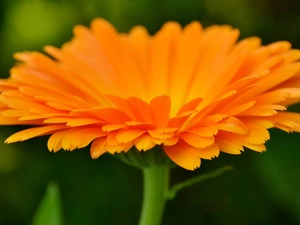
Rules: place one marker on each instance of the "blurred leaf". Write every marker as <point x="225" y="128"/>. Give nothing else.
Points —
<point x="49" y="211"/>
<point x="10" y="158"/>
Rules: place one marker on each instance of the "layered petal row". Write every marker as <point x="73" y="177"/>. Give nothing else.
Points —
<point x="196" y="92"/>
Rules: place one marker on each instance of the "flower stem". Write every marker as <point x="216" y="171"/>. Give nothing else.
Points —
<point x="156" y="184"/>
<point x="195" y="180"/>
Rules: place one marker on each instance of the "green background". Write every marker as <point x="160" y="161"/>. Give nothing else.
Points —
<point x="262" y="188"/>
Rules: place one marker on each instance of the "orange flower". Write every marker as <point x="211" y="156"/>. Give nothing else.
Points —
<point x="193" y="91"/>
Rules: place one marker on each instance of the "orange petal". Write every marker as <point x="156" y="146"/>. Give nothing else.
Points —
<point x="33" y="132"/>
<point x="197" y="141"/>
<point x="125" y="136"/>
<point x="229" y="146"/>
<point x="204" y="153"/>
<point x="234" y="125"/>
<point x="160" y="107"/>
<point x="144" y="142"/>
<point x="98" y="147"/>
<point x="182" y="157"/>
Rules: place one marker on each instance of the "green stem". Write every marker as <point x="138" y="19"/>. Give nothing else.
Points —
<point x="156" y="184"/>
<point x="176" y="188"/>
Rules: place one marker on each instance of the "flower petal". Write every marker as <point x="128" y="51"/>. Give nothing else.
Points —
<point x="182" y="157"/>
<point x="33" y="132"/>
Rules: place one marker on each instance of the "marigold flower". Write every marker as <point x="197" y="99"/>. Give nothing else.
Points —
<point x="193" y="91"/>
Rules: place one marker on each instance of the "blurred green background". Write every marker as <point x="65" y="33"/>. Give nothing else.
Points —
<point x="262" y="189"/>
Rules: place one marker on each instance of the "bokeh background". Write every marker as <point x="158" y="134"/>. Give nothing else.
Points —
<point x="262" y="189"/>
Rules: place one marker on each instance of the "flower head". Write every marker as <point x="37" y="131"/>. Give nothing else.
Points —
<point x="193" y="91"/>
